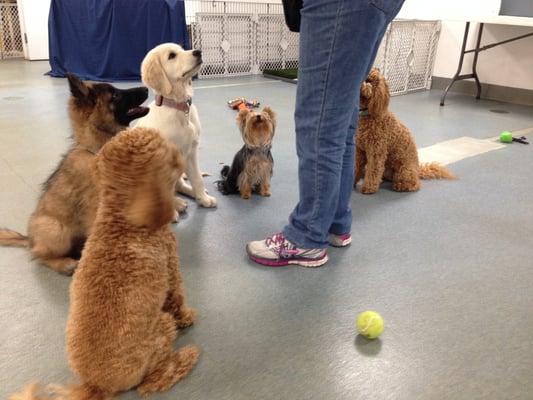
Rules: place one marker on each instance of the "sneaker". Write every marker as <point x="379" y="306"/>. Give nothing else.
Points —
<point x="340" y="240"/>
<point x="277" y="251"/>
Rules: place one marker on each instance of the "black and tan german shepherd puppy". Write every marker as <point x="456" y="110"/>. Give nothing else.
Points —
<point x="59" y="226"/>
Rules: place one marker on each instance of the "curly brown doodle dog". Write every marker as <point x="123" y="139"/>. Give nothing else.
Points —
<point x="385" y="148"/>
<point x="127" y="296"/>
<point x="66" y="209"/>
<point x="251" y="168"/>
<point x="168" y="70"/>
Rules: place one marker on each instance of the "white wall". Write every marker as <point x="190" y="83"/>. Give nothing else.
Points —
<point x="33" y="16"/>
<point x="508" y="65"/>
<point x="448" y="9"/>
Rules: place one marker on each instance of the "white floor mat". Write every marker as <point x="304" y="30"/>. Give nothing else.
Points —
<point x="454" y="150"/>
<point x="458" y="149"/>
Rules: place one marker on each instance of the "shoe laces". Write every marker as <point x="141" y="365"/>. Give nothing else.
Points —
<point x="280" y="244"/>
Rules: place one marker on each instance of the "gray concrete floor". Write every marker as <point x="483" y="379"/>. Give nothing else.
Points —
<point x="450" y="268"/>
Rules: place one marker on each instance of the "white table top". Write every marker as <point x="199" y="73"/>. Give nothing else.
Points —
<point x="490" y="19"/>
<point x="503" y="20"/>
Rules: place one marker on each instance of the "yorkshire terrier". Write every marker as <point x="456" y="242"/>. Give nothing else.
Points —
<point x="251" y="169"/>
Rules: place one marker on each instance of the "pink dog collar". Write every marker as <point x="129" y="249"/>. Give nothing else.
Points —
<point x="183" y="106"/>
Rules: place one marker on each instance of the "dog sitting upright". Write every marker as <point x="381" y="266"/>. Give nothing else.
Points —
<point x="168" y="69"/>
<point x="385" y="148"/>
<point x="127" y="298"/>
<point x="65" y="212"/>
<point x="252" y="166"/>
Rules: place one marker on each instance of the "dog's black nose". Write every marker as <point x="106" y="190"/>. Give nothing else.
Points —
<point x="197" y="53"/>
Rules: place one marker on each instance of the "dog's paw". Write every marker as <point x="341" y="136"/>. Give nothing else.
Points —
<point x="246" y="195"/>
<point x="63" y="265"/>
<point x="207" y="201"/>
<point x="406" y="186"/>
<point x="265" y="193"/>
<point x="168" y="370"/>
<point x="176" y="217"/>
<point x="180" y="205"/>
<point x="365" y="189"/>
<point x="187" y="356"/>
<point x="186" y="317"/>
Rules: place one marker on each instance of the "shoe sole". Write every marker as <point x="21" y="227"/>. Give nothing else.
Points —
<point x="344" y="243"/>
<point x="283" y="262"/>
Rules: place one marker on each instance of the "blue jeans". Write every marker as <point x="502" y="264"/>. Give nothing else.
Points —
<point x="339" y="40"/>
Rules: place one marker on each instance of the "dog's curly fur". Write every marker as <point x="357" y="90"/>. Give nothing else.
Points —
<point x="252" y="166"/>
<point x="385" y="148"/>
<point x="127" y="296"/>
<point x="66" y="209"/>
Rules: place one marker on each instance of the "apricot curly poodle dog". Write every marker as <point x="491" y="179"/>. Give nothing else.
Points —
<point x="127" y="297"/>
<point x="385" y="148"/>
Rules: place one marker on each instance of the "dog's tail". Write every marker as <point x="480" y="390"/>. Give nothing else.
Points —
<point x="54" y="392"/>
<point x="434" y="170"/>
<point x="12" y="238"/>
<point x="224" y="171"/>
<point x="226" y="185"/>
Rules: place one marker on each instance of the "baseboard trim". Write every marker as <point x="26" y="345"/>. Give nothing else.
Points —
<point x="488" y="91"/>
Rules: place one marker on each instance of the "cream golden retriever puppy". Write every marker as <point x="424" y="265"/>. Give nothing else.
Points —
<point x="126" y="297"/>
<point x="168" y="70"/>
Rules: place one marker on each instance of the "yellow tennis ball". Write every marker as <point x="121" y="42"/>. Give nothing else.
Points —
<point x="370" y="324"/>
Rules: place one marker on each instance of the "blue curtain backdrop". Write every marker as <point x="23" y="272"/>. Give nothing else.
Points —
<point x="106" y="40"/>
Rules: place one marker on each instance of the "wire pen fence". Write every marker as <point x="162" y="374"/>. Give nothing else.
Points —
<point x="245" y="38"/>
<point x="240" y="38"/>
<point x="10" y="32"/>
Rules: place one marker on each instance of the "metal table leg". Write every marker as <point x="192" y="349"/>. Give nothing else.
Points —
<point x="458" y="76"/>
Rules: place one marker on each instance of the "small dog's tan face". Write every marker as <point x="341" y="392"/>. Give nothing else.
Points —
<point x="257" y="128"/>
<point x="374" y="94"/>
<point x="168" y="66"/>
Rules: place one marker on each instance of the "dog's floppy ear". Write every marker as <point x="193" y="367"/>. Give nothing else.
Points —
<point x="150" y="206"/>
<point x="241" y="118"/>
<point x="151" y="202"/>
<point x="366" y="90"/>
<point x="154" y="76"/>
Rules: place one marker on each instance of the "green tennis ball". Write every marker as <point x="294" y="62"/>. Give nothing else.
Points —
<point x="370" y="324"/>
<point x="506" y="137"/>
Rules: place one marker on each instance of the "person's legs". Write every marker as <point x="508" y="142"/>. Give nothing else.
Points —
<point x="342" y="221"/>
<point x="338" y="43"/>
